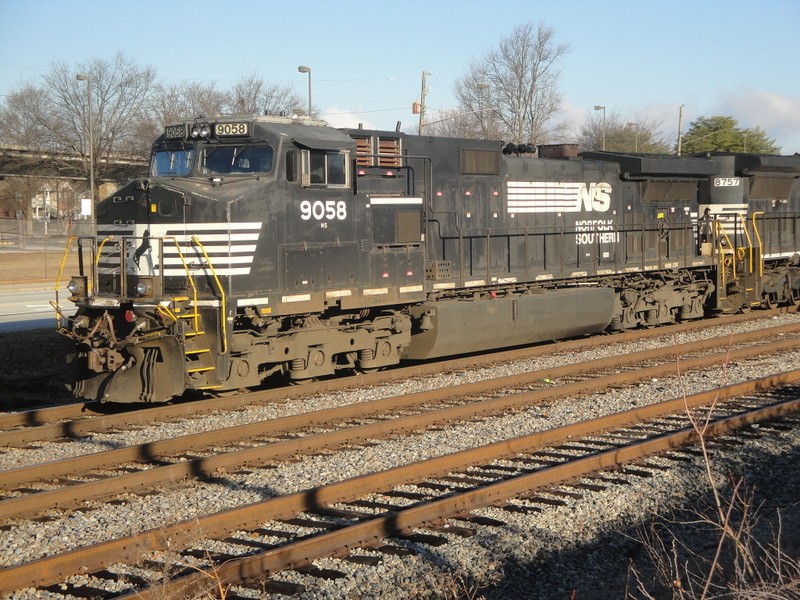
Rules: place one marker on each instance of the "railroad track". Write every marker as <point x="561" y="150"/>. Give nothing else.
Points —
<point x="69" y="483"/>
<point x="80" y="420"/>
<point x="255" y="542"/>
<point x="64" y="418"/>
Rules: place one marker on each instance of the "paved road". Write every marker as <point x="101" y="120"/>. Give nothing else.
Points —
<point x="30" y="309"/>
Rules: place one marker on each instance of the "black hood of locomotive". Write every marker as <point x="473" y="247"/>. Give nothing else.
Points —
<point x="160" y="199"/>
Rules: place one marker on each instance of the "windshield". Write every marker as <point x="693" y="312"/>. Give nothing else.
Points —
<point x="222" y="160"/>
<point x="167" y="163"/>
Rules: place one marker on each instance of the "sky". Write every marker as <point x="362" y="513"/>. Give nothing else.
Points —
<point x="640" y="59"/>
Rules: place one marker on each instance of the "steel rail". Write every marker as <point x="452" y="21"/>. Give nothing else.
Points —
<point x="43" y="416"/>
<point x="262" y="564"/>
<point x="151" y="451"/>
<point x="84" y="427"/>
<point x="74" y="495"/>
<point x="129" y="549"/>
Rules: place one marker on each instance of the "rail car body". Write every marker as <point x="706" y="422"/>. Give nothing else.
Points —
<point x="266" y="245"/>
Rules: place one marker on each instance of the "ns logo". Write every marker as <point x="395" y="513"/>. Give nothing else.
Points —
<point x="594" y="196"/>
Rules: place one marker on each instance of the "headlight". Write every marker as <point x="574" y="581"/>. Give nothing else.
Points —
<point x="77" y="286"/>
<point x="141" y="288"/>
<point x="201" y="130"/>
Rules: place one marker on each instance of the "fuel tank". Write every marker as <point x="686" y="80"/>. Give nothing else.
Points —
<point x="462" y="326"/>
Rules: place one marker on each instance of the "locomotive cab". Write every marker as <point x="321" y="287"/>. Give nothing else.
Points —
<point x="247" y="252"/>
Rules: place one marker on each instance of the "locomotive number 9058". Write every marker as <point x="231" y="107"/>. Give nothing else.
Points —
<point x="319" y="210"/>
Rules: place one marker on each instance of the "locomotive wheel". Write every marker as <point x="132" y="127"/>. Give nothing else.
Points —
<point x="287" y="377"/>
<point x="769" y="301"/>
<point x="794" y="297"/>
<point x="292" y="381"/>
<point x="364" y="371"/>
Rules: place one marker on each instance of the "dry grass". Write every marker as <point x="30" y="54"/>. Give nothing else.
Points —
<point x="731" y="546"/>
<point x="35" y="266"/>
<point x="33" y="368"/>
<point x="33" y="360"/>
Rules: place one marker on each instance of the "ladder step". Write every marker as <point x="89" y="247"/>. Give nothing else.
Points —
<point x="193" y="333"/>
<point x="200" y="370"/>
<point x="199" y="351"/>
<point x="180" y="298"/>
<point x="188" y="316"/>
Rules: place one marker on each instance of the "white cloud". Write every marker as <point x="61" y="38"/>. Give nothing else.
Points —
<point x="340" y="117"/>
<point x="777" y="114"/>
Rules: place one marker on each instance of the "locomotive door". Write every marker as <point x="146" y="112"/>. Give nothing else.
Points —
<point x="397" y="256"/>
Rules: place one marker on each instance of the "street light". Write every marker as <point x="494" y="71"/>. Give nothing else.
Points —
<point x="305" y="69"/>
<point x="603" y="108"/>
<point x="87" y="79"/>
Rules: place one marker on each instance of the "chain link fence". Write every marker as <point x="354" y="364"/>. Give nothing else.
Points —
<point x="33" y="251"/>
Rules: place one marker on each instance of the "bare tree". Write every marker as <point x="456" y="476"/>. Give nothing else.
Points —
<point x="121" y="91"/>
<point x="173" y="102"/>
<point x="15" y="128"/>
<point x="187" y="100"/>
<point x="54" y="116"/>
<point x="251" y="95"/>
<point x="622" y="135"/>
<point x="451" y="122"/>
<point x="512" y="92"/>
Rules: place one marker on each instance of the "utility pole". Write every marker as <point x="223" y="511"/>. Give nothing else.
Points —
<point x="680" y="126"/>
<point x="422" y="103"/>
<point x="88" y="80"/>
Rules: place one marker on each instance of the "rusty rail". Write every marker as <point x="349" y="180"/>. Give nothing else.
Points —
<point x="261" y="565"/>
<point x="92" y="558"/>
<point x="75" y="494"/>
<point x="83" y="427"/>
<point x="44" y="416"/>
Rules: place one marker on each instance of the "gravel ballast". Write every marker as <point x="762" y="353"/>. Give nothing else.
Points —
<point x="589" y="546"/>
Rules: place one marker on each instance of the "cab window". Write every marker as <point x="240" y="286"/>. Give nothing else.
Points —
<point x="175" y="163"/>
<point x="236" y="160"/>
<point x="325" y="168"/>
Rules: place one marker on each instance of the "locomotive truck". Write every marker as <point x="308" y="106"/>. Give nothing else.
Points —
<point x="260" y="246"/>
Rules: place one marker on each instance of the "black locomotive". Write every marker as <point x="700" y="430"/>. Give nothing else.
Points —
<point x="268" y="245"/>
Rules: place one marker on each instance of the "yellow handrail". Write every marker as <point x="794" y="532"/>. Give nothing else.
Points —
<point x="64" y="262"/>
<point x="760" y="244"/>
<point x="749" y="239"/>
<point x="166" y="311"/>
<point x="224" y="316"/>
<point x="57" y="306"/>
<point x="722" y="236"/>
<point x="108" y="238"/>
<point x="100" y="249"/>
<point x="191" y="282"/>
